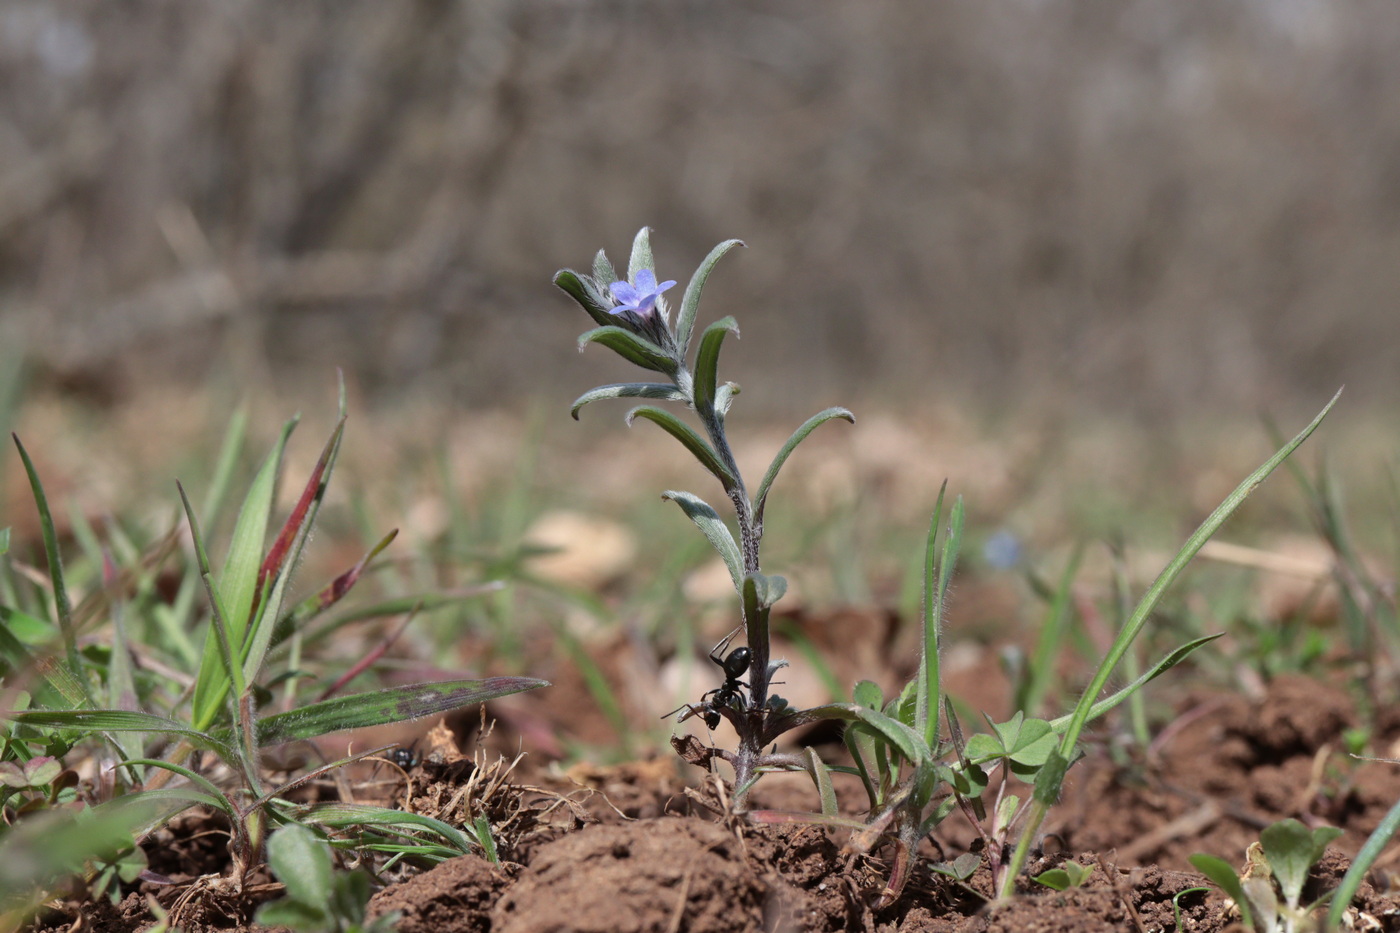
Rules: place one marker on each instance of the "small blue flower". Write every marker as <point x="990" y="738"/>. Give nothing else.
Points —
<point x="1003" y="550"/>
<point x="639" y="298"/>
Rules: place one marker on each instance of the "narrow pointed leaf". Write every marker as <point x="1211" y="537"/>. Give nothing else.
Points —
<point x="116" y="720"/>
<point x="691" y="440"/>
<point x="603" y="269"/>
<point x="336" y="590"/>
<point x="690" y="304"/>
<point x="1158" y="669"/>
<point x="225" y="669"/>
<point x="342" y="815"/>
<point x="237" y="585"/>
<point x="641" y="254"/>
<point x="302" y="512"/>
<point x="396" y="704"/>
<point x="630" y="347"/>
<point x="656" y="390"/>
<point x="1168" y="576"/>
<point x="62" y="605"/>
<point x="586" y="293"/>
<point x="926" y="711"/>
<point x="708" y="521"/>
<point x="286" y="554"/>
<point x="798" y="436"/>
<point x="707" y="362"/>
<point x="821" y="776"/>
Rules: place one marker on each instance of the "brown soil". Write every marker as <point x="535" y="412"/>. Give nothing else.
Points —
<point x="630" y="848"/>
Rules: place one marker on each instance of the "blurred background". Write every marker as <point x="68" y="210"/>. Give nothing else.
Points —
<point x="1140" y="209"/>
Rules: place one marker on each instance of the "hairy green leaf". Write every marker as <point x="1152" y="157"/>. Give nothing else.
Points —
<point x="641" y="254"/>
<point x="656" y="390"/>
<point x="690" y="304"/>
<point x="798" y="436"/>
<point x="589" y="296"/>
<point x="631" y="347"/>
<point x="707" y="362"/>
<point x="692" y="441"/>
<point x="395" y="704"/>
<point x="708" y="521"/>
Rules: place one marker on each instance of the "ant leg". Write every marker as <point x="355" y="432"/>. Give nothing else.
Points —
<point x="690" y="710"/>
<point x="717" y="652"/>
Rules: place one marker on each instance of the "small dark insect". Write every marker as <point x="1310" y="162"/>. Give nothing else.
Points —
<point x="734" y="666"/>
<point x="406" y="756"/>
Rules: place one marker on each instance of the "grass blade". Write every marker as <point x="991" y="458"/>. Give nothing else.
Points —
<point x="395" y="704"/>
<point x="1134" y="625"/>
<point x="237" y="587"/>
<point x="62" y="606"/>
<point x="708" y="521"/>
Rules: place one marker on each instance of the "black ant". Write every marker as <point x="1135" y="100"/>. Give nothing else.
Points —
<point x="734" y="666"/>
<point x="406" y="756"/>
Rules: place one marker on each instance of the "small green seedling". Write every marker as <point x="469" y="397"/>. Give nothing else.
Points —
<point x="319" y="899"/>
<point x="1270" y="892"/>
<point x="38" y="783"/>
<point x="1069" y="875"/>
<point x="112" y="870"/>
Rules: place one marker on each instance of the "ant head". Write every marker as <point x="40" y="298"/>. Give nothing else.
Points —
<point x="711" y="717"/>
<point x="737" y="662"/>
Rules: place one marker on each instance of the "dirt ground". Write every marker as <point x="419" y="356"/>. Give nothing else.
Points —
<point x="646" y="846"/>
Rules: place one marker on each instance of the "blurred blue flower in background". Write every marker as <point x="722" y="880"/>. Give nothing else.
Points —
<point x="641" y="297"/>
<point x="1002" y="551"/>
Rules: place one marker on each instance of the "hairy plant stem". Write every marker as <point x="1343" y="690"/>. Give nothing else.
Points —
<point x="749" y="723"/>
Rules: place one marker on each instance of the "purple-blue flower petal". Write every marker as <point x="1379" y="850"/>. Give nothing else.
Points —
<point x="623" y="293"/>
<point x="646" y="281"/>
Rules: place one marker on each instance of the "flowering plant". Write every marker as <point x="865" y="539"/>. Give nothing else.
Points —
<point x="634" y="322"/>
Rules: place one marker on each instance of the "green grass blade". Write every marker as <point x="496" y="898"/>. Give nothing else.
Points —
<point x="1161" y="667"/>
<point x="121" y="682"/>
<point x="928" y="688"/>
<point x="119" y="720"/>
<point x="1168" y="576"/>
<point x="237" y="586"/>
<point x="395" y="704"/>
<point x="62" y="605"/>
<point x="1370" y="851"/>
<point x="343" y="815"/>
<point x="1134" y="625"/>
<point x="219" y="799"/>
<point x="225" y="666"/>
